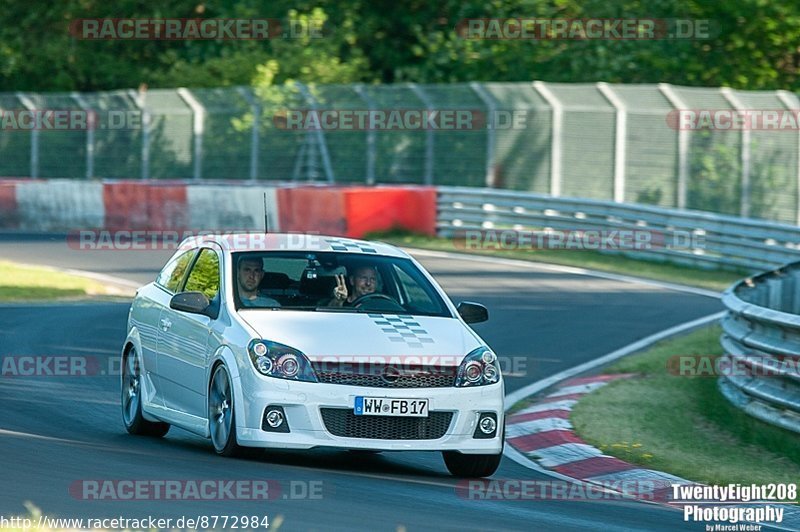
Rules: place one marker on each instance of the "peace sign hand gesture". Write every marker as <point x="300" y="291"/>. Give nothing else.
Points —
<point x="340" y="290"/>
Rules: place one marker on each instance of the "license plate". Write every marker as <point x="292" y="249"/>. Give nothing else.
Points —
<point x="385" y="406"/>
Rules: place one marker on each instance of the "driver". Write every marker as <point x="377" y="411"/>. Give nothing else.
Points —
<point x="364" y="281"/>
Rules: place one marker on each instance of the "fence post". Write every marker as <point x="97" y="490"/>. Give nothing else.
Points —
<point x="90" y="127"/>
<point x="326" y="160"/>
<point x="556" y="139"/>
<point x="254" y="134"/>
<point x="491" y="133"/>
<point x="371" y="139"/>
<point x="786" y="99"/>
<point x="198" y="123"/>
<point x="138" y="98"/>
<point x="744" y="206"/>
<point x="620" y="139"/>
<point x="29" y="105"/>
<point x="429" y="138"/>
<point x="683" y="144"/>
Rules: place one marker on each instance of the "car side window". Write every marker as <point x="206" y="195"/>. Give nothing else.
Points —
<point x="172" y="274"/>
<point x="204" y="276"/>
<point x="418" y="298"/>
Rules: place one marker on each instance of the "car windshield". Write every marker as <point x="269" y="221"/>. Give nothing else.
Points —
<point x="333" y="282"/>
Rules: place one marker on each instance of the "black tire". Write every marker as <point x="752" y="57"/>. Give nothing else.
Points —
<point x="471" y="465"/>
<point x="131" y="399"/>
<point x="221" y="415"/>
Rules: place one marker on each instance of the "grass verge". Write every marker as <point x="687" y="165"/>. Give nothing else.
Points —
<point x="661" y="271"/>
<point x="683" y="425"/>
<point x="37" y="283"/>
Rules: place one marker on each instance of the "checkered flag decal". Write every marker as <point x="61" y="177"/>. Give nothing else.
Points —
<point x="402" y="329"/>
<point x="343" y="244"/>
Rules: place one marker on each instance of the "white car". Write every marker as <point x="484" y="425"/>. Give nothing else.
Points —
<point x="301" y="341"/>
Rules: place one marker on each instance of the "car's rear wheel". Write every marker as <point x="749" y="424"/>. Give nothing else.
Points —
<point x="221" y="418"/>
<point x="132" y="417"/>
<point x="471" y="465"/>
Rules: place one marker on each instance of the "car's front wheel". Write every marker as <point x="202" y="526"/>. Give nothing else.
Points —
<point x="221" y="418"/>
<point x="132" y="417"/>
<point x="471" y="465"/>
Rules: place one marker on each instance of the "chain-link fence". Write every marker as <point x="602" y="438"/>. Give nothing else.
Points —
<point x="651" y="144"/>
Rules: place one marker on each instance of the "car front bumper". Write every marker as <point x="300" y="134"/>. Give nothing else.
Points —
<point x="303" y="402"/>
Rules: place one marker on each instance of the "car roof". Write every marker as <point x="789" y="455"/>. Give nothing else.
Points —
<point x="259" y="241"/>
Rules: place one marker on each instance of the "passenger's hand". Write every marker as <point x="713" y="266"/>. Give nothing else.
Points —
<point x="340" y="290"/>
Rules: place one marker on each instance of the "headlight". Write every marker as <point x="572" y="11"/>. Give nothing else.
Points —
<point x="280" y="361"/>
<point x="479" y="368"/>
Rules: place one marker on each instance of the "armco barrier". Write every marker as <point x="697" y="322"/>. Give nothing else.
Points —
<point x="701" y="239"/>
<point x="762" y="326"/>
<point x="761" y="331"/>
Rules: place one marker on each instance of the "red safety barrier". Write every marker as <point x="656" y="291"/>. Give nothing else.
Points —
<point x="384" y="209"/>
<point x="356" y="211"/>
<point x="312" y="209"/>
<point x="131" y="205"/>
<point x="9" y="218"/>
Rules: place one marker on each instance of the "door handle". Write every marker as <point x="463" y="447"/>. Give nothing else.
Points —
<point x="165" y="324"/>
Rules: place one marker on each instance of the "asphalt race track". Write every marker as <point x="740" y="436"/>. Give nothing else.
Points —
<point x="58" y="431"/>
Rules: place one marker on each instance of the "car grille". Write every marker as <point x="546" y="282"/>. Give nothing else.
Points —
<point x="385" y="375"/>
<point x="343" y="422"/>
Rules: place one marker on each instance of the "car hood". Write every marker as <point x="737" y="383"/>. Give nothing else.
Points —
<point x="330" y="334"/>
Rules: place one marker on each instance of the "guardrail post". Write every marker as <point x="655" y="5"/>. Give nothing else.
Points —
<point x="491" y="132"/>
<point x="90" y="127"/>
<point x="318" y="133"/>
<point x="683" y="145"/>
<point x="254" y="134"/>
<point x="429" y="138"/>
<point x="198" y="116"/>
<point x="556" y="136"/>
<point x="786" y="98"/>
<point x="371" y="137"/>
<point x="138" y="98"/>
<point x="744" y="208"/>
<point x="29" y="105"/>
<point x="620" y="139"/>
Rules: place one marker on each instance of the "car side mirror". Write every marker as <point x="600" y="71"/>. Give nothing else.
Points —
<point x="472" y="312"/>
<point x="192" y="302"/>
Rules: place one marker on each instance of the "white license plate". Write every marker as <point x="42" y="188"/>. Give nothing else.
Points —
<point x="386" y="406"/>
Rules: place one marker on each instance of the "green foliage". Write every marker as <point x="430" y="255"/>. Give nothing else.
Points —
<point x="715" y="175"/>
<point x="205" y="275"/>
<point x="753" y="45"/>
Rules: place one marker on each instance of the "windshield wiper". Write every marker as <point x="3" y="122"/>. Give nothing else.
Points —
<point x="344" y="309"/>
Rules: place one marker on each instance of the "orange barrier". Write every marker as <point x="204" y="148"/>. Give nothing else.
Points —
<point x="383" y="209"/>
<point x="131" y="205"/>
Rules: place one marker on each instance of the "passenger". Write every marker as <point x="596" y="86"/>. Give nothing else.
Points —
<point x="250" y="272"/>
<point x="364" y="281"/>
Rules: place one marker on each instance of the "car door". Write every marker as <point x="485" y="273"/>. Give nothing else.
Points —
<point x="146" y="313"/>
<point x="183" y="340"/>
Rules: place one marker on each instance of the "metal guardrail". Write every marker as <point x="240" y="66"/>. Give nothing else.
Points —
<point x="686" y="237"/>
<point x="762" y="325"/>
<point x="761" y="332"/>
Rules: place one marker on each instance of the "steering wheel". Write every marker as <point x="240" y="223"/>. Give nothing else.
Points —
<point x="376" y="297"/>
